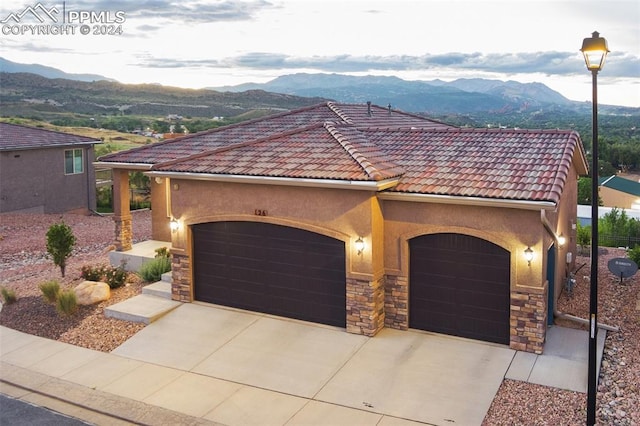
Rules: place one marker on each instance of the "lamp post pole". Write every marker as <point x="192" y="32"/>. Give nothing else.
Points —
<point x="595" y="51"/>
<point x="593" y="288"/>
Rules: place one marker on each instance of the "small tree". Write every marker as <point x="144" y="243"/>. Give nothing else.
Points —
<point x="60" y="243"/>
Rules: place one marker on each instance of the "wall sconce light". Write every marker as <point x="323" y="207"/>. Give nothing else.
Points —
<point x="562" y="240"/>
<point x="528" y="255"/>
<point x="174" y="225"/>
<point x="158" y="180"/>
<point x="360" y="245"/>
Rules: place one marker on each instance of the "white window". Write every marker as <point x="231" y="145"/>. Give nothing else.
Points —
<point x="73" y="161"/>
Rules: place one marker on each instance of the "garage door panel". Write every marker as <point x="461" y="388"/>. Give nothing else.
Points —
<point x="459" y="285"/>
<point x="433" y="294"/>
<point x="480" y="329"/>
<point x="479" y="285"/>
<point x="272" y="269"/>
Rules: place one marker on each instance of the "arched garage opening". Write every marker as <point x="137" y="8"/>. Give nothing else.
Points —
<point x="459" y="285"/>
<point x="272" y="269"/>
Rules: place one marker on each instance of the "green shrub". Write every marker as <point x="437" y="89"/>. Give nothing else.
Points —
<point x="8" y="295"/>
<point x="50" y="291"/>
<point x="67" y="303"/>
<point x="152" y="271"/>
<point x="115" y="277"/>
<point x="634" y="254"/>
<point x="583" y="235"/>
<point x="162" y="252"/>
<point x="60" y="242"/>
<point x="93" y="273"/>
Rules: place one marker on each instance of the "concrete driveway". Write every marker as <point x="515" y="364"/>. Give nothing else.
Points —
<point x="248" y="368"/>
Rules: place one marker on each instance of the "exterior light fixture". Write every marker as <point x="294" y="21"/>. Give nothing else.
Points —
<point x="562" y="240"/>
<point x="360" y="245"/>
<point x="528" y="255"/>
<point x="595" y="51"/>
<point x="174" y="225"/>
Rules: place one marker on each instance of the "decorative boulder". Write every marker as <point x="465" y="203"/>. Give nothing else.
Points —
<point x="90" y="292"/>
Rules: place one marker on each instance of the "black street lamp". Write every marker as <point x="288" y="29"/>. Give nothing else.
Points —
<point x="595" y="52"/>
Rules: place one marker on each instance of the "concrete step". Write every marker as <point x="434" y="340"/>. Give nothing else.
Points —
<point x="142" y="308"/>
<point x="167" y="277"/>
<point x="158" y="289"/>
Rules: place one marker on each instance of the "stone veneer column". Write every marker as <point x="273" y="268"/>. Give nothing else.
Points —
<point x="181" y="276"/>
<point x="121" y="211"/>
<point x="396" y="302"/>
<point x="365" y="306"/>
<point x="124" y="232"/>
<point x="528" y="322"/>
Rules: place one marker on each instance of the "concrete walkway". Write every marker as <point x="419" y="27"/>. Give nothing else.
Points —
<point x="202" y="364"/>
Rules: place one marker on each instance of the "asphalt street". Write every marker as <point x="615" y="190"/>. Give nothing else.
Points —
<point x="16" y="412"/>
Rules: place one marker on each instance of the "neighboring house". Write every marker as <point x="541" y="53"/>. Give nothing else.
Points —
<point x="364" y="217"/>
<point x="616" y="191"/>
<point x="44" y="171"/>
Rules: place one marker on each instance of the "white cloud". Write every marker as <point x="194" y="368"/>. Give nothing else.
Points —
<point x="199" y="43"/>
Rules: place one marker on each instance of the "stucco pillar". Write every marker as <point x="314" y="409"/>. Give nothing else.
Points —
<point x="121" y="211"/>
<point x="160" y="230"/>
<point x="366" y="286"/>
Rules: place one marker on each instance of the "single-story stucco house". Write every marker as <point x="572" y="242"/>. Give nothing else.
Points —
<point x="44" y="171"/>
<point x="365" y="217"/>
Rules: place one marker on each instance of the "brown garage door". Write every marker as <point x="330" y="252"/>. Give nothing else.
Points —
<point x="459" y="285"/>
<point x="272" y="269"/>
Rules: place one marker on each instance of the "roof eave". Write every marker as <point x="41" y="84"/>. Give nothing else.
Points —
<point x="51" y="146"/>
<point x="469" y="201"/>
<point x="380" y="185"/>
<point x="116" y="165"/>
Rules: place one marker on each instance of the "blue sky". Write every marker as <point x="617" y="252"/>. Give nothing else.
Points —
<point x="208" y="43"/>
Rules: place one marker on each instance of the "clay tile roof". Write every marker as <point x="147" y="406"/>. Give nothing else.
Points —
<point x="16" y="137"/>
<point x="264" y="127"/>
<point x="315" y="152"/>
<point x="507" y="164"/>
<point x="369" y="143"/>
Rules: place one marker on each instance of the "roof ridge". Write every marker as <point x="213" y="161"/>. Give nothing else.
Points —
<point x="344" y="117"/>
<point x="220" y="128"/>
<point x="367" y="165"/>
<point x="233" y="146"/>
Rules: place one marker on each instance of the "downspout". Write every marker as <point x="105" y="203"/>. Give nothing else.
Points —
<point x="556" y="312"/>
<point x="88" y="152"/>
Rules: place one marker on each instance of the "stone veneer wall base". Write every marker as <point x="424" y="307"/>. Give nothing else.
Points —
<point x="528" y="323"/>
<point x="181" y="277"/>
<point x="365" y="306"/>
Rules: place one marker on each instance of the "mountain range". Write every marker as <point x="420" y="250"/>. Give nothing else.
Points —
<point x="48" y="72"/>
<point x="436" y="96"/>
<point x="27" y="86"/>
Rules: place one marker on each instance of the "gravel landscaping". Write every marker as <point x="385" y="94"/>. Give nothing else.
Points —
<point x="24" y="264"/>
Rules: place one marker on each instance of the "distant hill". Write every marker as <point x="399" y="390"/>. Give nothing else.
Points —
<point x="25" y="94"/>
<point x="48" y="72"/>
<point x="439" y="97"/>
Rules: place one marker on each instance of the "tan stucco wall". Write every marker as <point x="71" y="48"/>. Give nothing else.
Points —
<point x="341" y="214"/>
<point x="514" y="230"/>
<point x="160" y="214"/>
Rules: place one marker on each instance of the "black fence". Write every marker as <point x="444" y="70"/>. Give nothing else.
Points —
<point x="608" y="240"/>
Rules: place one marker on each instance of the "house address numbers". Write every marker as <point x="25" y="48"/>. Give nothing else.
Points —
<point x="260" y="212"/>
